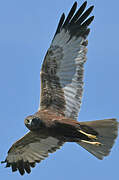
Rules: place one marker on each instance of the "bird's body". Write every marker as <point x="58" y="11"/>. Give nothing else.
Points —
<point x="60" y="99"/>
<point x="57" y="125"/>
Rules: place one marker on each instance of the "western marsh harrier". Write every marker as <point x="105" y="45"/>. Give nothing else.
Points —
<point x="61" y="92"/>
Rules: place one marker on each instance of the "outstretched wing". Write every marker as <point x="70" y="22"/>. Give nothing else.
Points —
<point x="63" y="66"/>
<point x="29" y="150"/>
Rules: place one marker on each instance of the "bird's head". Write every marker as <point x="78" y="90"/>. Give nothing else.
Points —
<point x="34" y="123"/>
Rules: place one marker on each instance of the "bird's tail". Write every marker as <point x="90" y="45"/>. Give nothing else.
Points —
<point x="101" y="134"/>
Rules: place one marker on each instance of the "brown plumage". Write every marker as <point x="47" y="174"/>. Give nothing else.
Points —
<point x="60" y="100"/>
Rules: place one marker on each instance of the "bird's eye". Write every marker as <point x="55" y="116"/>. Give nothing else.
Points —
<point x="27" y="121"/>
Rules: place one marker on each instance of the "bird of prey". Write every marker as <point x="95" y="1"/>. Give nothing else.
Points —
<point x="60" y="99"/>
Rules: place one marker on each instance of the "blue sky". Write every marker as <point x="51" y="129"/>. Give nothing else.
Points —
<point x="26" y="30"/>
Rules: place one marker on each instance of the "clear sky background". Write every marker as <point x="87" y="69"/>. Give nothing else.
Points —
<point x="26" y="30"/>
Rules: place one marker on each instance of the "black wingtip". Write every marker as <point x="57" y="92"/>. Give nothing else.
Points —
<point x="27" y="167"/>
<point x="70" y="15"/>
<point x="75" y="4"/>
<point x="3" y="162"/>
<point x="92" y="18"/>
<point x="92" y="7"/>
<point x="20" y="167"/>
<point x="60" y="24"/>
<point x="85" y="3"/>
<point x="88" y="21"/>
<point x="14" y="167"/>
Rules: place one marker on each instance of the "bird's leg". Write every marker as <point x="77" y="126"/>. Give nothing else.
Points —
<point x="88" y="135"/>
<point x="92" y="143"/>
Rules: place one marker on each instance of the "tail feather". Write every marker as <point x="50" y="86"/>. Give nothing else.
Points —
<point x="107" y="131"/>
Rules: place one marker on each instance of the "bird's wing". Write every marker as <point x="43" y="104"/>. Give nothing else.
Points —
<point x="29" y="150"/>
<point x="63" y="67"/>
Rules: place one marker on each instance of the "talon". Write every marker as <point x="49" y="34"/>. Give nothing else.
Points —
<point x="97" y="143"/>
<point x="89" y="135"/>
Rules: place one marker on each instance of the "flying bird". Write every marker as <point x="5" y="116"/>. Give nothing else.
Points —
<point x="55" y="122"/>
